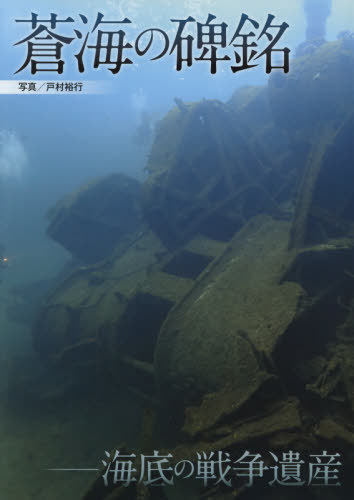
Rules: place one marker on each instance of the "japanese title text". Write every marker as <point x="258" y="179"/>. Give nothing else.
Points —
<point x="106" y="43"/>
<point x="219" y="468"/>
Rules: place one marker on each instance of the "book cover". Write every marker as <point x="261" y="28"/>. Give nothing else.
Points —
<point x="176" y="249"/>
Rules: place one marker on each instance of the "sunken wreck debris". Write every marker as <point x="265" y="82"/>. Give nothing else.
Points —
<point x="230" y="305"/>
<point x="317" y="12"/>
<point x="90" y="222"/>
<point x="325" y="207"/>
<point x="206" y="176"/>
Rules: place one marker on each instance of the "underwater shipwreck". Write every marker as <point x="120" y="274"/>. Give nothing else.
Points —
<point x="221" y="289"/>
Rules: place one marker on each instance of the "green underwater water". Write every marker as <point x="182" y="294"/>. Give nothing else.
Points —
<point x="51" y="431"/>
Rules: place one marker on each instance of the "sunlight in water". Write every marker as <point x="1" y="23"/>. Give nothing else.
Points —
<point x="13" y="156"/>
